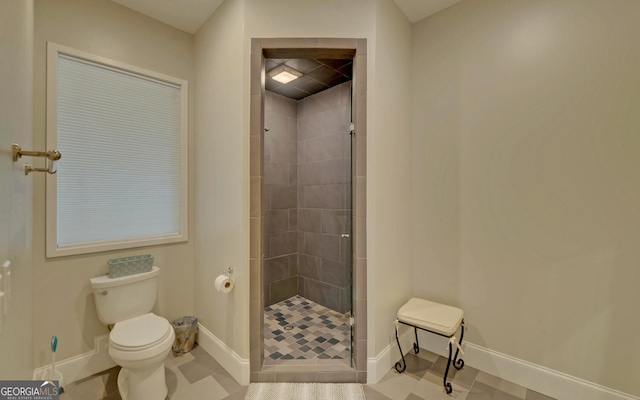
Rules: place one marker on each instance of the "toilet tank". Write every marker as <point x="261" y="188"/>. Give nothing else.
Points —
<point x="125" y="297"/>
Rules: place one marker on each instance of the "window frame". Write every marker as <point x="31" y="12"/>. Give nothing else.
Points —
<point x="52" y="248"/>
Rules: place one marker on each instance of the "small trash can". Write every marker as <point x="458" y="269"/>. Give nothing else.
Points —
<point x="186" y="329"/>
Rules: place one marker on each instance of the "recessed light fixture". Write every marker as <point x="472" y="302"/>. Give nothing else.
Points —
<point x="284" y="74"/>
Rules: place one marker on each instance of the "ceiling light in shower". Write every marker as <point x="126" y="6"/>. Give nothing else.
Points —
<point x="284" y="74"/>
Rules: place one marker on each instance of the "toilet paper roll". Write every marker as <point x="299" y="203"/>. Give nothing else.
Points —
<point x="224" y="284"/>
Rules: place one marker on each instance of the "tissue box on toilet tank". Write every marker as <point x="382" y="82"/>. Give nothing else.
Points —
<point x="129" y="265"/>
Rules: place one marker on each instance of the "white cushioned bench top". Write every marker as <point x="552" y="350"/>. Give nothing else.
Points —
<point x="434" y="317"/>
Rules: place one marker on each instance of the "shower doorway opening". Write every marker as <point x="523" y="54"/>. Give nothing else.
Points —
<point x="308" y="304"/>
<point x="307" y="221"/>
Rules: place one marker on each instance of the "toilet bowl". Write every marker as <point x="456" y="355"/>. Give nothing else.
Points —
<point x="140" y="340"/>
<point x="140" y="345"/>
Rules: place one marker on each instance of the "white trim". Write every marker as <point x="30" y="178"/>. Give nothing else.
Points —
<point x="235" y="365"/>
<point x="541" y="379"/>
<point x="83" y="365"/>
<point x="53" y="49"/>
<point x="532" y="376"/>
<point x="98" y="360"/>
<point x="379" y="366"/>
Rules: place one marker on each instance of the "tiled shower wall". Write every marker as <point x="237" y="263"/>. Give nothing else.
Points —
<point x="280" y="199"/>
<point x="324" y="198"/>
<point x="307" y="160"/>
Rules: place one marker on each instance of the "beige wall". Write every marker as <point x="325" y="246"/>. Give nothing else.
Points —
<point x="222" y="120"/>
<point x="16" y="76"/>
<point x="62" y="301"/>
<point x="222" y="225"/>
<point x="317" y="19"/>
<point x="525" y="132"/>
<point x="389" y="203"/>
<point x="513" y="193"/>
<point x="223" y="130"/>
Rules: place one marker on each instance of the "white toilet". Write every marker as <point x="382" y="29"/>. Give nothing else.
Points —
<point x="140" y="340"/>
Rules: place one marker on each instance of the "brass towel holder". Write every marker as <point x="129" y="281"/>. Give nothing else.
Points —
<point x="52" y="156"/>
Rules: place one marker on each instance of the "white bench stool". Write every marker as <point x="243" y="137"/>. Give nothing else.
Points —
<point x="436" y="318"/>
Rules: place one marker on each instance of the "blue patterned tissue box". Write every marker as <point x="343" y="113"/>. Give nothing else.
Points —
<point x="129" y="265"/>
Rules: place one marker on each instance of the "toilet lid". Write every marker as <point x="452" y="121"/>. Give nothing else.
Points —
<point x="139" y="331"/>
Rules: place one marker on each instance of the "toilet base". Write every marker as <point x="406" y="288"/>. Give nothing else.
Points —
<point x="142" y="384"/>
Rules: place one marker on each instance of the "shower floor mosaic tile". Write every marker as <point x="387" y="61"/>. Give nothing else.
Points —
<point x="297" y="328"/>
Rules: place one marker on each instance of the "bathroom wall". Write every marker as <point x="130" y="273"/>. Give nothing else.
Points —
<point x="389" y="209"/>
<point x="280" y="198"/>
<point x="222" y="178"/>
<point x="525" y="132"/>
<point x="388" y="139"/>
<point x="324" y="197"/>
<point x="223" y="145"/>
<point x="16" y="77"/>
<point x="62" y="301"/>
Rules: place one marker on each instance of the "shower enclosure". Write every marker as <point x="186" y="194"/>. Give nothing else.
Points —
<point x="307" y="224"/>
<point x="307" y="237"/>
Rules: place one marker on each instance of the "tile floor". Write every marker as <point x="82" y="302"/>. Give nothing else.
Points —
<point x="297" y="328"/>
<point x="422" y="380"/>
<point x="190" y="376"/>
<point x="196" y="375"/>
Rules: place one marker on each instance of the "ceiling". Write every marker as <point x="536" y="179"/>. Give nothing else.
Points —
<point x="189" y="15"/>
<point x="186" y="15"/>
<point x="319" y="75"/>
<point x="321" y="69"/>
<point x="416" y="10"/>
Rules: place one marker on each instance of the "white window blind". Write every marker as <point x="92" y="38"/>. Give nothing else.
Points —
<point x="121" y="177"/>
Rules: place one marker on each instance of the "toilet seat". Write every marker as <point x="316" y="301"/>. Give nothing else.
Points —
<point x="139" y="333"/>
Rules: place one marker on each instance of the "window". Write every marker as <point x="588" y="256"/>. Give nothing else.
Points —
<point x="122" y="133"/>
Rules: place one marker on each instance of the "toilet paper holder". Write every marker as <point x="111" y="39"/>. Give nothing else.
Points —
<point x="224" y="282"/>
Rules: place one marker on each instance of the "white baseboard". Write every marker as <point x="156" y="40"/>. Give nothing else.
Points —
<point x="83" y="365"/>
<point x="379" y="366"/>
<point x="541" y="379"/>
<point x="237" y="367"/>
<point x="98" y="360"/>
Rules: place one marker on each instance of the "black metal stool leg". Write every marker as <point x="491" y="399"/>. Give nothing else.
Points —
<point x="447" y="385"/>
<point x="458" y="364"/>
<point x="416" y="347"/>
<point x="400" y="367"/>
